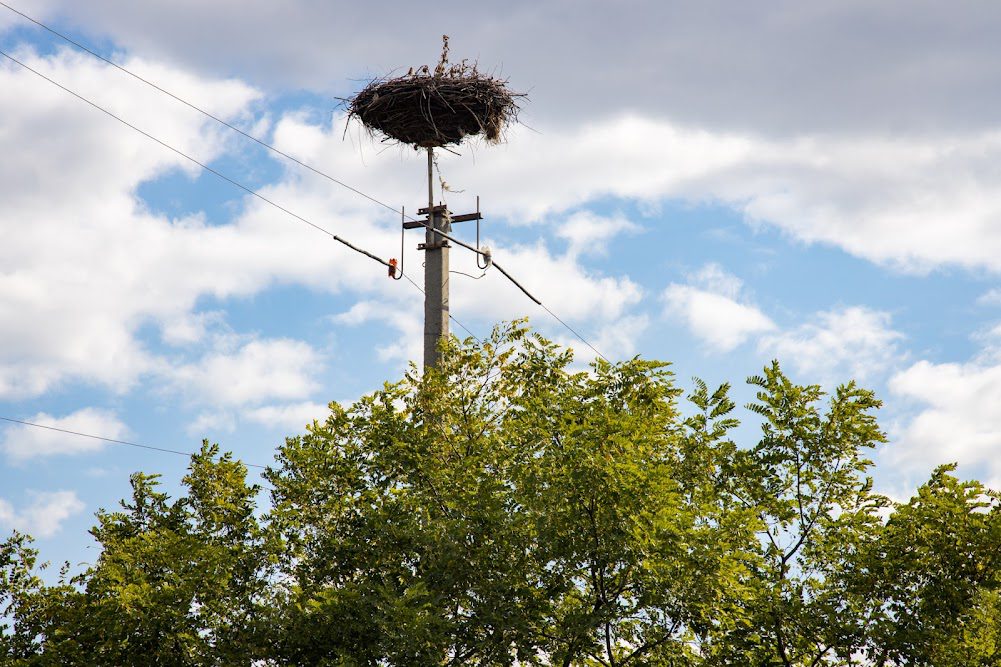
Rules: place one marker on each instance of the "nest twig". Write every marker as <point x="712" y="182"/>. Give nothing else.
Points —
<point x="426" y="108"/>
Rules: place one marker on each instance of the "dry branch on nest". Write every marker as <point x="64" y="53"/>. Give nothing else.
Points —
<point x="427" y="108"/>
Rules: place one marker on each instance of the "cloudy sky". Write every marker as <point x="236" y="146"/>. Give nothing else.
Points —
<point x="714" y="184"/>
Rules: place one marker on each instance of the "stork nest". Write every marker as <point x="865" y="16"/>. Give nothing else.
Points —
<point x="427" y="109"/>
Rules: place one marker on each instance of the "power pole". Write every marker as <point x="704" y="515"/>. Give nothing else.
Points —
<point x="435" y="247"/>
<point x="435" y="274"/>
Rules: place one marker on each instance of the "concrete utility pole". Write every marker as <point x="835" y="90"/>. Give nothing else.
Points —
<point x="435" y="287"/>
<point x="436" y="314"/>
<point x="435" y="274"/>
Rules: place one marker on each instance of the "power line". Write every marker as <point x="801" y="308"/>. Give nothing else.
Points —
<point x="204" y="166"/>
<point x="277" y="151"/>
<point x="200" y="110"/>
<point x="450" y="315"/>
<point x="573" y="331"/>
<point x="209" y="114"/>
<point x="111" y="440"/>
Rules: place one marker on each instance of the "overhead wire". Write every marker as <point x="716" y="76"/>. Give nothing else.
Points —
<point x="450" y="315"/>
<point x="469" y="275"/>
<point x="197" y="108"/>
<point x="277" y="151"/>
<point x="206" y="113"/>
<point x="201" y="164"/>
<point x="574" y="332"/>
<point x="111" y="440"/>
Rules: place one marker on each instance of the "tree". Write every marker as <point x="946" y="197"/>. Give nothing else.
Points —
<point x="806" y="482"/>
<point x="176" y="583"/>
<point x="510" y="509"/>
<point x="935" y="576"/>
<point x="504" y="509"/>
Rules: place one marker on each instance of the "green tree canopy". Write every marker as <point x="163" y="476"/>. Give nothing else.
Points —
<point x="512" y="509"/>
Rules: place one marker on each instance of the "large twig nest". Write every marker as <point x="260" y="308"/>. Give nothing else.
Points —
<point x="426" y="108"/>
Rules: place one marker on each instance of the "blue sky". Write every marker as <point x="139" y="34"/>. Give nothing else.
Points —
<point x="714" y="186"/>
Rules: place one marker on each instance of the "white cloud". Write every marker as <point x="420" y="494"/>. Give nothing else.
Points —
<point x="587" y="233"/>
<point x="188" y="328"/>
<point x="83" y="261"/>
<point x="616" y="340"/>
<point x="720" y="322"/>
<point x="912" y="203"/>
<point x="559" y="281"/>
<point x="44" y="516"/>
<point x="709" y="307"/>
<point x="713" y="278"/>
<point x="845" y="343"/>
<point x="786" y="66"/>
<point x="291" y="416"/>
<point x="20" y="442"/>
<point x="219" y="421"/>
<point x="534" y="175"/>
<point x="361" y="312"/>
<point x="403" y="318"/>
<point x="254" y="372"/>
<point x="991" y="297"/>
<point x="958" y="419"/>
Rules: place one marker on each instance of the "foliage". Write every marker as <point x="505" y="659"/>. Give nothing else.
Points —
<point x="935" y="574"/>
<point x="806" y="483"/>
<point x="511" y="509"/>
<point x="175" y="583"/>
